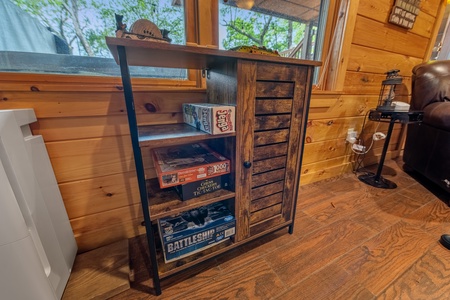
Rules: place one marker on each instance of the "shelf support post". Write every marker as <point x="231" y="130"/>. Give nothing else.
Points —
<point x="132" y="122"/>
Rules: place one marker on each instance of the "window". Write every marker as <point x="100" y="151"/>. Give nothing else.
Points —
<point x="54" y="36"/>
<point x="441" y="49"/>
<point x="293" y="28"/>
<point x="49" y="36"/>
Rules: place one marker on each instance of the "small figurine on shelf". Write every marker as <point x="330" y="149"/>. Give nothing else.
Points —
<point x="142" y="29"/>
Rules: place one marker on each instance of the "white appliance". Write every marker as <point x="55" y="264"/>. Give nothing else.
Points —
<point x="37" y="245"/>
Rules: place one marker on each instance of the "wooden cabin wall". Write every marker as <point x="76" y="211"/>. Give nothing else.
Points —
<point x="83" y="121"/>
<point x="85" y="129"/>
<point x="374" y="47"/>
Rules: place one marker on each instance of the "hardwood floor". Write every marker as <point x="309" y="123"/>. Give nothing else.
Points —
<point x="350" y="241"/>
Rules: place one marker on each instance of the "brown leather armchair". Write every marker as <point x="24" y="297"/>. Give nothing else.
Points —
<point x="427" y="147"/>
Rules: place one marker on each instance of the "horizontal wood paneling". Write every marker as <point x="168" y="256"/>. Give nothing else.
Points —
<point x="59" y="129"/>
<point x="89" y="158"/>
<point x="106" y="219"/>
<point x="368" y="83"/>
<point x="388" y="37"/>
<point x="380" y="11"/>
<point x="341" y="106"/>
<point x="95" y="195"/>
<point x="82" y="104"/>
<point x="107" y="235"/>
<point x="369" y="60"/>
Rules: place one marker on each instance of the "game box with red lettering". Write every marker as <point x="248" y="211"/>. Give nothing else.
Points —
<point x="210" y="118"/>
<point x="182" y="164"/>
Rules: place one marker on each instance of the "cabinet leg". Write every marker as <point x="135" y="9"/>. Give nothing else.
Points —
<point x="291" y="228"/>
<point x="132" y="122"/>
<point x="154" y="261"/>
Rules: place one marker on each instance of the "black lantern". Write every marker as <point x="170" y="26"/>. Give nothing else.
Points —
<point x="387" y="92"/>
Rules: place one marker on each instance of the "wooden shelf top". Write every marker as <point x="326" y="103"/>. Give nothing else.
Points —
<point x="156" y="54"/>
<point x="168" y="269"/>
<point x="173" y="134"/>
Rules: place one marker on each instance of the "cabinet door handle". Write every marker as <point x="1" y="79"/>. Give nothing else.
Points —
<point x="247" y="164"/>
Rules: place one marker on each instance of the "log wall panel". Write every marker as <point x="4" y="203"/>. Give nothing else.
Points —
<point x="381" y="9"/>
<point x="370" y="60"/>
<point x="369" y="83"/>
<point x="322" y="129"/>
<point x="329" y="149"/>
<point x="104" y="236"/>
<point x="386" y="36"/>
<point x="82" y="104"/>
<point x="106" y="219"/>
<point x="89" y="158"/>
<point x="99" y="194"/>
<point x="71" y="128"/>
<point x="430" y="7"/>
<point x="342" y="106"/>
<point x="325" y="173"/>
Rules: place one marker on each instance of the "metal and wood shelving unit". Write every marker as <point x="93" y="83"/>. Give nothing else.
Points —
<point x="271" y="95"/>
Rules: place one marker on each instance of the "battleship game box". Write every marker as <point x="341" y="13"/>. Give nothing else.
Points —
<point x="195" y="230"/>
<point x="210" y="118"/>
<point x="188" y="163"/>
<point x="197" y="188"/>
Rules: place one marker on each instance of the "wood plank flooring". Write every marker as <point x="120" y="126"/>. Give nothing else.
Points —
<point x="350" y="241"/>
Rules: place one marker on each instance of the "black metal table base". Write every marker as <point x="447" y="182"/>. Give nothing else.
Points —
<point x="377" y="181"/>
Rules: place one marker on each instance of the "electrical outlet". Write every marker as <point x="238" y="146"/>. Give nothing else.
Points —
<point x="351" y="136"/>
<point x="359" y="147"/>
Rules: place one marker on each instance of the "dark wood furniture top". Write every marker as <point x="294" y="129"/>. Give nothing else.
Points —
<point x="190" y="57"/>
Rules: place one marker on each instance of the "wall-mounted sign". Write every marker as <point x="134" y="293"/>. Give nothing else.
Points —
<point x="404" y="13"/>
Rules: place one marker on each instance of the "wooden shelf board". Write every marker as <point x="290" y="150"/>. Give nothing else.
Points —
<point x="155" y="54"/>
<point x="173" y="134"/>
<point x="166" y="202"/>
<point x="168" y="269"/>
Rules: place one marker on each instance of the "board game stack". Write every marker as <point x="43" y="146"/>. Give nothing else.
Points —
<point x="188" y="163"/>
<point x="197" y="188"/>
<point x="195" y="230"/>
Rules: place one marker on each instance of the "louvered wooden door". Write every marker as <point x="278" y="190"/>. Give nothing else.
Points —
<point x="271" y="106"/>
<point x="274" y="110"/>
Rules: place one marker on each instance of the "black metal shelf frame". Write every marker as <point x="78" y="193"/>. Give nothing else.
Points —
<point x="139" y="164"/>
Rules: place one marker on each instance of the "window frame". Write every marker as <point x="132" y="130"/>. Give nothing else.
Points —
<point x="201" y="25"/>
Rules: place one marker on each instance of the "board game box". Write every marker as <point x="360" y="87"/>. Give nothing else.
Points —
<point x="210" y="118"/>
<point x="195" y="230"/>
<point x="188" y="163"/>
<point x="197" y="188"/>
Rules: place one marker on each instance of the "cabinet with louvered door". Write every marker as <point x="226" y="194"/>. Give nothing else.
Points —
<point x="271" y="96"/>
<point x="279" y="120"/>
<point x="272" y="100"/>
